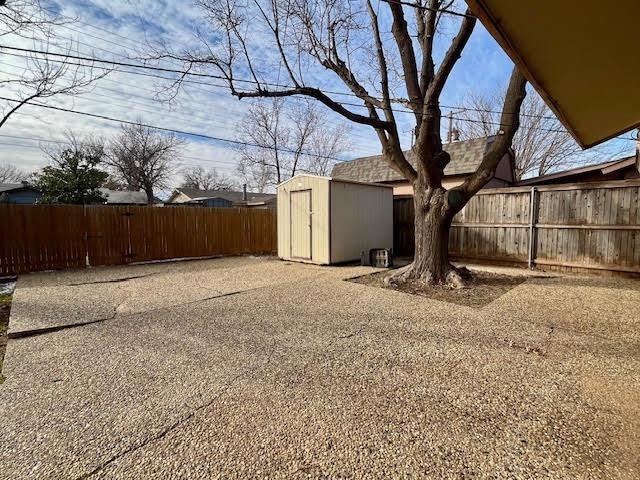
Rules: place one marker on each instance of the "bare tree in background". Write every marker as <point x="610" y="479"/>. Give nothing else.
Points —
<point x="42" y="76"/>
<point x="143" y="158"/>
<point x="12" y="174"/>
<point x="349" y="39"/>
<point x="26" y="19"/>
<point x="541" y="144"/>
<point x="282" y="138"/>
<point x="257" y="176"/>
<point x="88" y="145"/>
<point x="202" y="178"/>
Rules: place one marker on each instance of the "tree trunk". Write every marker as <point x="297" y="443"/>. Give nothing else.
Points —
<point x="149" y="192"/>
<point x="431" y="263"/>
<point x="431" y="258"/>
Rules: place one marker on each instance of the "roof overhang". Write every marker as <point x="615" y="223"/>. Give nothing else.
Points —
<point x="581" y="57"/>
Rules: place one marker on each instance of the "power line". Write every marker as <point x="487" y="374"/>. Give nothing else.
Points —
<point x="408" y="112"/>
<point x="253" y="82"/>
<point x="227" y="164"/>
<point x="134" y="65"/>
<point x="424" y="7"/>
<point x="183" y="72"/>
<point x="147" y="105"/>
<point x="171" y="130"/>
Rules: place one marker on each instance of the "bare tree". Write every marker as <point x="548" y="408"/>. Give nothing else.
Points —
<point x="26" y="19"/>
<point x="263" y="138"/>
<point x="207" y="179"/>
<point x="143" y="158"/>
<point x="115" y="183"/>
<point x="258" y="176"/>
<point x="43" y="75"/>
<point x="282" y="138"/>
<point x="541" y="144"/>
<point x="12" y="174"/>
<point x="90" y="146"/>
<point x="346" y="38"/>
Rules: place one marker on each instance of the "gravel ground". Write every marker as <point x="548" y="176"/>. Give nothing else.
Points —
<point x="237" y="368"/>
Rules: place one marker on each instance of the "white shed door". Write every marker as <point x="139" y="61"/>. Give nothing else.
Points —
<point x="301" y="224"/>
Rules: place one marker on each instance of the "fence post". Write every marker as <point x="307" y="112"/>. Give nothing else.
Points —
<point x="85" y="225"/>
<point x="533" y="214"/>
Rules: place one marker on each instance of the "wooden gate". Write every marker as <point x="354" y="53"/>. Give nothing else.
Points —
<point x="107" y="234"/>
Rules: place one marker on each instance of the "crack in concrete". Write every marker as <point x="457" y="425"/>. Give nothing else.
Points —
<point x="115" y="280"/>
<point x="42" y="331"/>
<point x="180" y="422"/>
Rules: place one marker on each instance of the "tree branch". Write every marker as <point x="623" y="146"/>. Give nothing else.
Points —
<point x="382" y="62"/>
<point x="320" y="96"/>
<point x="407" y="56"/>
<point x="426" y="32"/>
<point x="451" y="57"/>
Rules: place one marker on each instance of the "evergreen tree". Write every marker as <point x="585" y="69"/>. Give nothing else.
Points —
<point x="73" y="179"/>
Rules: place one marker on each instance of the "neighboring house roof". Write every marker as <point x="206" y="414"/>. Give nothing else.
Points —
<point x="466" y="157"/>
<point x="232" y="196"/>
<point x="12" y="187"/>
<point x="124" y="197"/>
<point x="605" y="168"/>
<point x="267" y="202"/>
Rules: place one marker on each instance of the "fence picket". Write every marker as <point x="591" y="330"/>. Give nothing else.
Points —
<point x="43" y="237"/>
<point x="592" y="226"/>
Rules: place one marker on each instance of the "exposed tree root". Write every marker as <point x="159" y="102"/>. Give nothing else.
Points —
<point x="454" y="277"/>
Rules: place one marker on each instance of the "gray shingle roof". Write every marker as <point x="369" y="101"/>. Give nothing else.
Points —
<point x="226" y="194"/>
<point x="465" y="158"/>
<point x="9" y="187"/>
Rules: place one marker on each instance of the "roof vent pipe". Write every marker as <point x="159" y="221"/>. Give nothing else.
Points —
<point x="244" y="192"/>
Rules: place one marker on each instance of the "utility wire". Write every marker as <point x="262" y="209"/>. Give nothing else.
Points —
<point x="171" y="130"/>
<point x="424" y="7"/>
<point x="198" y="74"/>
<point x="135" y="65"/>
<point x="229" y="167"/>
<point x="405" y="111"/>
<point x="227" y="164"/>
<point x="183" y="72"/>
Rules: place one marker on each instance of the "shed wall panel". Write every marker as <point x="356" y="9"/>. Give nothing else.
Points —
<point x="361" y="219"/>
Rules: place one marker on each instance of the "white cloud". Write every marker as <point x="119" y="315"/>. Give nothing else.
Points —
<point x="113" y="29"/>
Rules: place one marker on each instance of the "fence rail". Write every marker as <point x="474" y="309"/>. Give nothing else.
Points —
<point x="575" y="226"/>
<point x="47" y="237"/>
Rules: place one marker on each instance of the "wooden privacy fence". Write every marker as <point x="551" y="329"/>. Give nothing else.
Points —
<point x="576" y="226"/>
<point x="44" y="237"/>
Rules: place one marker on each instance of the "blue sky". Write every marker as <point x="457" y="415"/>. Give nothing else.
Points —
<point x="120" y="29"/>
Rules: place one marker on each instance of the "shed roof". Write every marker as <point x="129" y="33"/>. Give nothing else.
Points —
<point x="334" y="179"/>
<point x="580" y="56"/>
<point x="466" y="156"/>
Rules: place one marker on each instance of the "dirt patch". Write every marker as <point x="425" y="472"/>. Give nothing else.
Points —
<point x="482" y="289"/>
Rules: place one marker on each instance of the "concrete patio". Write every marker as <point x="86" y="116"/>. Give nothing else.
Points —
<point x="253" y="367"/>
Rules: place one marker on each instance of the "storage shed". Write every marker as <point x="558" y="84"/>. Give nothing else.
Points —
<point x="324" y="221"/>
